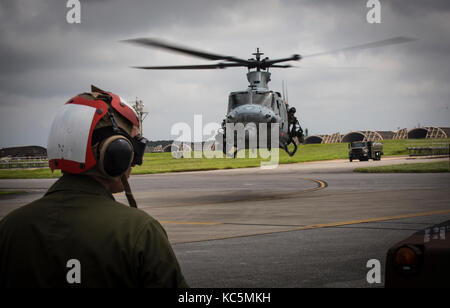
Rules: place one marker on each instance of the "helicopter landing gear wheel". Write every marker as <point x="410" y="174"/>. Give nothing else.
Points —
<point x="285" y="147"/>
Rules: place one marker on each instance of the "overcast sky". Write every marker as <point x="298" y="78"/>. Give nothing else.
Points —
<point x="44" y="61"/>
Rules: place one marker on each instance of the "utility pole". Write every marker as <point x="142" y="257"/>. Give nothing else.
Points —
<point x="139" y="108"/>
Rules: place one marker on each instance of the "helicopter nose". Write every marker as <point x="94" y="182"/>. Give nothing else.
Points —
<point x="251" y="114"/>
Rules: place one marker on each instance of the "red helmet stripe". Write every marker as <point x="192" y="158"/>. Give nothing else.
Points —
<point x="124" y="109"/>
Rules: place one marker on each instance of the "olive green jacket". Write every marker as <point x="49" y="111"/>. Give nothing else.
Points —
<point x="78" y="219"/>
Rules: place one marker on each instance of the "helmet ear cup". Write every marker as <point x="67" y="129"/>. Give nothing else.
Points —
<point x="116" y="156"/>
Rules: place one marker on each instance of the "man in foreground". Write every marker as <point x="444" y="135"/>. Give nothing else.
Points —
<point x="77" y="235"/>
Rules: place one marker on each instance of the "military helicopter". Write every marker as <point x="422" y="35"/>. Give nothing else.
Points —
<point x="257" y="105"/>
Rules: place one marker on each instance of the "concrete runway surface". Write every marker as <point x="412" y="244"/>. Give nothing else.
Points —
<point x="299" y="225"/>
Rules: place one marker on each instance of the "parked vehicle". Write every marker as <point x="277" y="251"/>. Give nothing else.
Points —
<point x="421" y="260"/>
<point x="365" y="150"/>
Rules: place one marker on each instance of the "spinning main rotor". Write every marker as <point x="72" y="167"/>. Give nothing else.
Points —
<point x="256" y="62"/>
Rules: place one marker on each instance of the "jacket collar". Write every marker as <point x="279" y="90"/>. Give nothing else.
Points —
<point x="79" y="183"/>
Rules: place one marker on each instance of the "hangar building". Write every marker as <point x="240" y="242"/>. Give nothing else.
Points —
<point x="415" y="133"/>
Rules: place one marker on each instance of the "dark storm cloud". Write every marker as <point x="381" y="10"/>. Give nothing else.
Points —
<point x="45" y="60"/>
<point x="415" y="8"/>
<point x="36" y="36"/>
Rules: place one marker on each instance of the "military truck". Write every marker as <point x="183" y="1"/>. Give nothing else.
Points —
<point x="364" y="150"/>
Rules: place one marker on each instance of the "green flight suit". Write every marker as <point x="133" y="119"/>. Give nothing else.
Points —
<point x="115" y="245"/>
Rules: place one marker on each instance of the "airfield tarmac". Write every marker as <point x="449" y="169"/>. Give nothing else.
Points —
<point x="299" y="225"/>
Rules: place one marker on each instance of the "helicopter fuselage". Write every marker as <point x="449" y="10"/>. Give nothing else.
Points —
<point x="256" y="108"/>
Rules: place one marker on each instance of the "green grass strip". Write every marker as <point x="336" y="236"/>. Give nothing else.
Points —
<point x="441" y="166"/>
<point x="10" y="192"/>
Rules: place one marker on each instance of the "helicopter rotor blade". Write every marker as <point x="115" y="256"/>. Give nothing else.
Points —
<point x="282" y="66"/>
<point x="271" y="62"/>
<point x="391" y="41"/>
<point x="191" y="67"/>
<point x="149" y="42"/>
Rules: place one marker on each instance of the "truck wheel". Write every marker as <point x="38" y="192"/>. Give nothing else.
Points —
<point x="350" y="159"/>
<point x="377" y="156"/>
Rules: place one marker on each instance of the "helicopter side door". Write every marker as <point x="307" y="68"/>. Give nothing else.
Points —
<point x="283" y="115"/>
<point x="275" y="108"/>
<point x="279" y="108"/>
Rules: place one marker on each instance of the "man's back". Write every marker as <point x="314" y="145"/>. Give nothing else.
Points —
<point x="78" y="220"/>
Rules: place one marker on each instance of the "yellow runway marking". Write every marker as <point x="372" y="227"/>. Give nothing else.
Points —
<point x="321" y="185"/>
<point x="359" y="221"/>
<point x="318" y="226"/>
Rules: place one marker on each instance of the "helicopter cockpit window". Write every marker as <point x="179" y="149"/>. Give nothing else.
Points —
<point x="264" y="99"/>
<point x="238" y="99"/>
